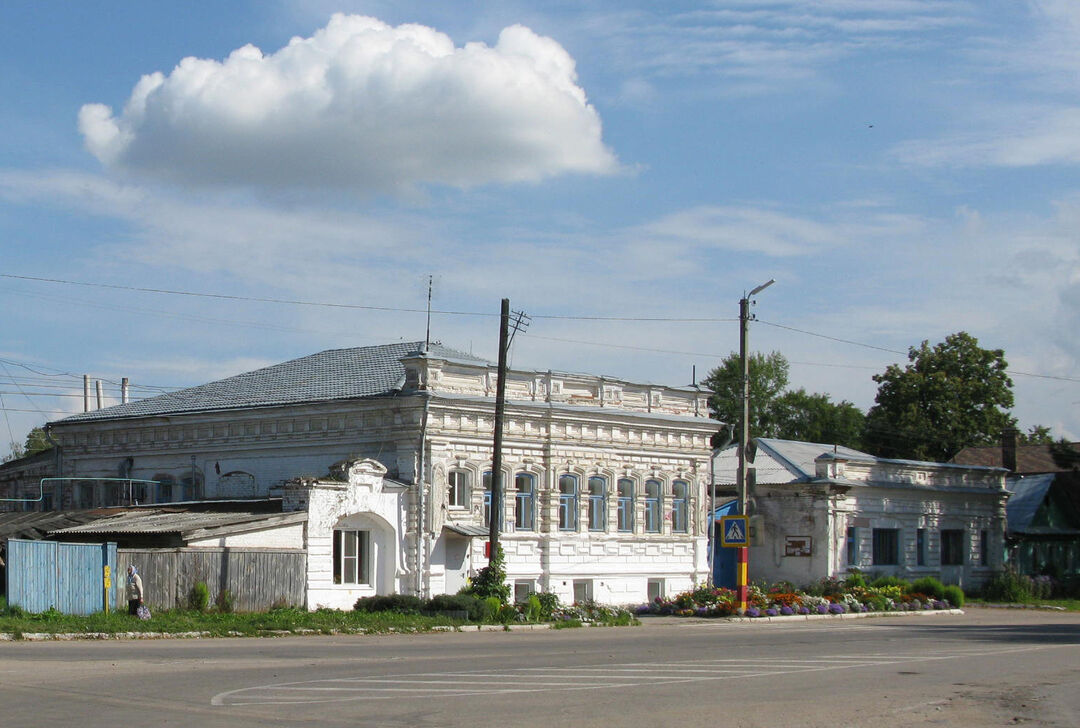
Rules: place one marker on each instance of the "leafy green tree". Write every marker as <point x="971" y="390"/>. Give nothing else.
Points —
<point x="950" y="396"/>
<point x="815" y="418"/>
<point x="1037" y="435"/>
<point x="768" y="377"/>
<point x="1065" y="455"/>
<point x="36" y="441"/>
<point x="774" y="412"/>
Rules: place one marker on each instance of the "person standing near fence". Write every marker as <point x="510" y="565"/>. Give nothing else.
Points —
<point x="134" y="590"/>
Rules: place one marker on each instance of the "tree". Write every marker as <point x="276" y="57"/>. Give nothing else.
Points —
<point x="1065" y="455"/>
<point x="948" y="397"/>
<point x="790" y="415"/>
<point x="36" y="441"/>
<point x="815" y="418"/>
<point x="1036" y="435"/>
<point x="768" y="377"/>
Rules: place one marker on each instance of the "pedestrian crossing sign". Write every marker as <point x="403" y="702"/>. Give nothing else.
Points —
<point x="734" y="531"/>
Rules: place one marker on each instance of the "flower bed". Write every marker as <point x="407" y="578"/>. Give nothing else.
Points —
<point x="829" y="596"/>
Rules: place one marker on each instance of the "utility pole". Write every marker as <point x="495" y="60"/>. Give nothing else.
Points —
<point x="743" y="555"/>
<point x="505" y="337"/>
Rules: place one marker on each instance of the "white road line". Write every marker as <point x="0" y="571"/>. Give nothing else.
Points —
<point x="568" y="679"/>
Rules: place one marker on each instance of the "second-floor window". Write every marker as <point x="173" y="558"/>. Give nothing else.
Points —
<point x="568" y="502"/>
<point x="626" y="505"/>
<point x="525" y="502"/>
<point x="597" y="503"/>
<point x="652" y="506"/>
<point x="457" y="484"/>
<point x="680" y="508"/>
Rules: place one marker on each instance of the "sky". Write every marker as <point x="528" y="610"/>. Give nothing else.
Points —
<point x="624" y="172"/>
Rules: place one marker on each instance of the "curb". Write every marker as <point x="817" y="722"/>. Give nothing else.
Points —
<point x="857" y="615"/>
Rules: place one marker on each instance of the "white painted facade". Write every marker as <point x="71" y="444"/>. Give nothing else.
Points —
<point x="441" y="419"/>
<point x="851" y="511"/>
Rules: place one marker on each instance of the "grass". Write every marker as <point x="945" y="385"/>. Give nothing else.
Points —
<point x="325" y="621"/>
<point x="287" y="620"/>
<point x="1072" y="605"/>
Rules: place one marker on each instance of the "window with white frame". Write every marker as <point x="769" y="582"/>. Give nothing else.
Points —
<point x="655" y="589"/>
<point x="568" y="502"/>
<point x="652" y="506"/>
<point x="597" y="503"/>
<point x="583" y="590"/>
<point x="352" y="556"/>
<point x="680" y="499"/>
<point x="525" y="502"/>
<point x="457" y="486"/>
<point x="523" y="588"/>
<point x="626" y="505"/>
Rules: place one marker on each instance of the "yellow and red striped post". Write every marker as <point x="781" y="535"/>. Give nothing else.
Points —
<point x="741" y="589"/>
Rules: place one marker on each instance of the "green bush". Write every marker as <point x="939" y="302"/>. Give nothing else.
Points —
<point x="508" y="614"/>
<point x="491" y="607"/>
<point x="224" y="601"/>
<point x="929" y="586"/>
<point x="1007" y="586"/>
<point x="954" y="595"/>
<point x="400" y="603"/>
<point x="854" y="579"/>
<point x="889" y="580"/>
<point x="199" y="598"/>
<point x="549" y="603"/>
<point x="532" y="609"/>
<point x="490" y="581"/>
<point x="469" y="603"/>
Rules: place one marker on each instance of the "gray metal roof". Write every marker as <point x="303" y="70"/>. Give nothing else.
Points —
<point x="334" y="374"/>
<point x="1028" y="493"/>
<point x="188" y="524"/>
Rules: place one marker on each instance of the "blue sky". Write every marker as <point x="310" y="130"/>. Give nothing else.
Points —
<point x="904" y="169"/>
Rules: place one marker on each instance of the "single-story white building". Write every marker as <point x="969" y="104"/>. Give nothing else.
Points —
<point x="821" y="510"/>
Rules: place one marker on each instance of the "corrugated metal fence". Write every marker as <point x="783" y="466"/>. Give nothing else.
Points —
<point x="256" y="579"/>
<point x="68" y="577"/>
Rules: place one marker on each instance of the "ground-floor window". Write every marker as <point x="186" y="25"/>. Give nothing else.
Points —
<point x="352" y="556"/>
<point x="886" y="547"/>
<point x="656" y="589"/>
<point x="852" y="546"/>
<point x="920" y="547"/>
<point x="984" y="548"/>
<point x="522" y="589"/>
<point x="582" y="590"/>
<point x="952" y="547"/>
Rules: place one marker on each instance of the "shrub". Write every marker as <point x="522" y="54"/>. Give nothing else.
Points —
<point x="490" y="581"/>
<point x="490" y="607"/>
<point x="929" y="586"/>
<point x="400" y="603"/>
<point x="1007" y="586"/>
<point x="532" y="609"/>
<point x="889" y="580"/>
<point x="224" y="601"/>
<point x="462" y="602"/>
<point x="549" y="602"/>
<point x="855" y="579"/>
<point x="954" y="595"/>
<point x="199" y="598"/>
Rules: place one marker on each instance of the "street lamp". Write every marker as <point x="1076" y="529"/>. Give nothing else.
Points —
<point x="744" y="437"/>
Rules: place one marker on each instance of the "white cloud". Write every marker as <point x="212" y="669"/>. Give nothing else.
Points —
<point x="362" y="105"/>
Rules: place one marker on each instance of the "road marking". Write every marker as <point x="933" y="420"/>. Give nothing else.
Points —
<point x="567" y="679"/>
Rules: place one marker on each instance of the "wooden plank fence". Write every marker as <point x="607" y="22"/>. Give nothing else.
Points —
<point x="257" y="579"/>
<point x="67" y="577"/>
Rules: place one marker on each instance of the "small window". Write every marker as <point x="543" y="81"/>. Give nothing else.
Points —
<point x="582" y="590"/>
<point x="886" y="547"/>
<point x="568" y="502"/>
<point x="652" y="506"/>
<point x="656" y="589"/>
<point x="457" y="485"/>
<point x="525" y="502"/>
<point x="920" y="547"/>
<point x="597" y="503"/>
<point x="984" y="548"/>
<point x="523" y="588"/>
<point x="952" y="547"/>
<point x="626" y="505"/>
<point x="351" y="556"/>
<point x="680" y="497"/>
<point x="852" y="546"/>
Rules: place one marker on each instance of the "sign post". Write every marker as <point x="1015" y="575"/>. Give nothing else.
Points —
<point x="735" y="533"/>
<point x="108" y="585"/>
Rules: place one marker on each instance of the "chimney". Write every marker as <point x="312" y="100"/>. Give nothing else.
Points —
<point x="124" y="390"/>
<point x="1009" y="438"/>
<point x="97" y="384"/>
<point x="85" y="392"/>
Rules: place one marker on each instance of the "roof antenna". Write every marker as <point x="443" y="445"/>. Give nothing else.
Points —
<point x="427" y="334"/>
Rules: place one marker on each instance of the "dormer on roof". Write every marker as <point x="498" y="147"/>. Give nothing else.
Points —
<point x="831" y="465"/>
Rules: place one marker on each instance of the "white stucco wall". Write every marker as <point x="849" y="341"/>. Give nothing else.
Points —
<point x="283" y="537"/>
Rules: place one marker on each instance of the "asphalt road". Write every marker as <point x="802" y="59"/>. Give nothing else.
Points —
<point x="985" y="668"/>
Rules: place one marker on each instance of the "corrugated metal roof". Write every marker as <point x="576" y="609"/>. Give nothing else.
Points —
<point x="364" y="371"/>
<point x="467" y="529"/>
<point x="174" y="521"/>
<point x="34" y="525"/>
<point x="1028" y="494"/>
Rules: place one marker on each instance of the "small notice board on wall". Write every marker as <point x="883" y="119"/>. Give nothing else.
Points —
<point x="798" y="545"/>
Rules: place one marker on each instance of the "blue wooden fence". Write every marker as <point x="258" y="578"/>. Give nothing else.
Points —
<point x="68" y="577"/>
